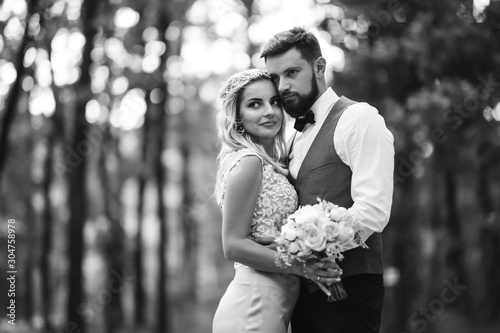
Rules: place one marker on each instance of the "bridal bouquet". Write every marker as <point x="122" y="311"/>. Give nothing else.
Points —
<point x="316" y="233"/>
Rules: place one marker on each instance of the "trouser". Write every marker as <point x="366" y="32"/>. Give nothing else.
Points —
<point x="359" y="313"/>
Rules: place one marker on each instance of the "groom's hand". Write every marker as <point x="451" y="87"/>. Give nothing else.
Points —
<point x="327" y="271"/>
<point x="328" y="265"/>
<point x="323" y="273"/>
<point x="266" y="241"/>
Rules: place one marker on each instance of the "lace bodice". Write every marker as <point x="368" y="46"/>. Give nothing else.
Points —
<point x="276" y="200"/>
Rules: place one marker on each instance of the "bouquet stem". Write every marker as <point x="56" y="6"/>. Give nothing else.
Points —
<point x="337" y="291"/>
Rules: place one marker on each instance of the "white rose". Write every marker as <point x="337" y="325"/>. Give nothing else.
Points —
<point x="289" y="232"/>
<point x="315" y="239"/>
<point x="330" y="230"/>
<point x="299" y="248"/>
<point x="337" y="213"/>
<point x="301" y="215"/>
<point x="307" y="214"/>
<point x="346" y="233"/>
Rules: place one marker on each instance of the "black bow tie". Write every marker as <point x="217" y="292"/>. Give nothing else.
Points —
<point x="300" y="122"/>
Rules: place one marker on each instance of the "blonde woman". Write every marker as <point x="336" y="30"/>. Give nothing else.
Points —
<point x="255" y="197"/>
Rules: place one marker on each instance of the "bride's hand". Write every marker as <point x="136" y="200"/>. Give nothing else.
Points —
<point x="267" y="242"/>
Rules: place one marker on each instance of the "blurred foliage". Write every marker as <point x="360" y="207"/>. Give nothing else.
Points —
<point x="121" y="95"/>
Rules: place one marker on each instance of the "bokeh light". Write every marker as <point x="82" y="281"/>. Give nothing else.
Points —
<point x="119" y="85"/>
<point x="12" y="8"/>
<point x="42" y="101"/>
<point x="92" y="111"/>
<point x="100" y="77"/>
<point x="66" y="56"/>
<point x="126" y="18"/>
<point x="8" y="72"/>
<point x="14" y="29"/>
<point x="128" y="114"/>
<point x="202" y="57"/>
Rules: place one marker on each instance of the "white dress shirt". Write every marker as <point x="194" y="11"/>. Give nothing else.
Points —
<point x="363" y="143"/>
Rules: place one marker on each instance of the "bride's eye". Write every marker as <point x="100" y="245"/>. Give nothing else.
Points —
<point x="253" y="105"/>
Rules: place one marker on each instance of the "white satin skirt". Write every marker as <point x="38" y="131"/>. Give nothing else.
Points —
<point x="257" y="301"/>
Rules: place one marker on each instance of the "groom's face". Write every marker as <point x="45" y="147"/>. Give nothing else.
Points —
<point x="295" y="80"/>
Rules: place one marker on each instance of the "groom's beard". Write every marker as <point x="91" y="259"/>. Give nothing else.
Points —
<point x="299" y="105"/>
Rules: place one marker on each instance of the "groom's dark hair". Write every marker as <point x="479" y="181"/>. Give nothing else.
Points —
<point x="305" y="42"/>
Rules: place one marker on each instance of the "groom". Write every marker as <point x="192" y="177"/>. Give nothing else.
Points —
<point x="341" y="152"/>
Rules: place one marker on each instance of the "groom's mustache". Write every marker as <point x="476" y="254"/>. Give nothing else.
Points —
<point x="288" y="94"/>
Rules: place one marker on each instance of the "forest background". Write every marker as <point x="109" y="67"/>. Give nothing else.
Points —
<point x="108" y="146"/>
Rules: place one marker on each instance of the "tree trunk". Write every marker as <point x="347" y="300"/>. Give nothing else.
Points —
<point x="455" y="255"/>
<point x="163" y="310"/>
<point x="406" y="250"/>
<point x="56" y="135"/>
<point x="111" y="182"/>
<point x="13" y="97"/>
<point x="404" y="259"/>
<point x="488" y="232"/>
<point x="252" y="48"/>
<point x="158" y="128"/>
<point x="47" y="235"/>
<point x="189" y="226"/>
<point x="78" y="214"/>
<point x="25" y="297"/>
<point x="140" y="292"/>
<point x="76" y="171"/>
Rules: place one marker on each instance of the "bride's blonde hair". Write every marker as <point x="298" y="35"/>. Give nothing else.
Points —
<point x="229" y="118"/>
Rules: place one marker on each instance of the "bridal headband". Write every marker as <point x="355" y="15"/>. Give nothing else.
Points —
<point x="241" y="79"/>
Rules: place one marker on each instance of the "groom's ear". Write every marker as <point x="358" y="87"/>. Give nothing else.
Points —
<point x="319" y="67"/>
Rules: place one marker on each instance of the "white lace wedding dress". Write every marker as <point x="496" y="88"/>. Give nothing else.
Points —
<point x="257" y="301"/>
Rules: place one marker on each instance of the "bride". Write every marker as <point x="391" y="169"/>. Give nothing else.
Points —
<point x="255" y="197"/>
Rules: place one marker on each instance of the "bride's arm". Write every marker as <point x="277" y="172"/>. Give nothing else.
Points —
<point x="242" y="189"/>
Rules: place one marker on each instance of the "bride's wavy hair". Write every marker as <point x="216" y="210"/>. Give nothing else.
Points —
<point x="229" y="118"/>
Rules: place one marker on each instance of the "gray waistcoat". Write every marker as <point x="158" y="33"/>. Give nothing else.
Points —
<point x="323" y="174"/>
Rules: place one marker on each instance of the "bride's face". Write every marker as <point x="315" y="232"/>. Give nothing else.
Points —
<point x="261" y="111"/>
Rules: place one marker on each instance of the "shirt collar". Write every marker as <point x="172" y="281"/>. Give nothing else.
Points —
<point x="323" y="104"/>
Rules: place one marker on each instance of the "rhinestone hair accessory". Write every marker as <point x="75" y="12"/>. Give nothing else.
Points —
<point x="241" y="79"/>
